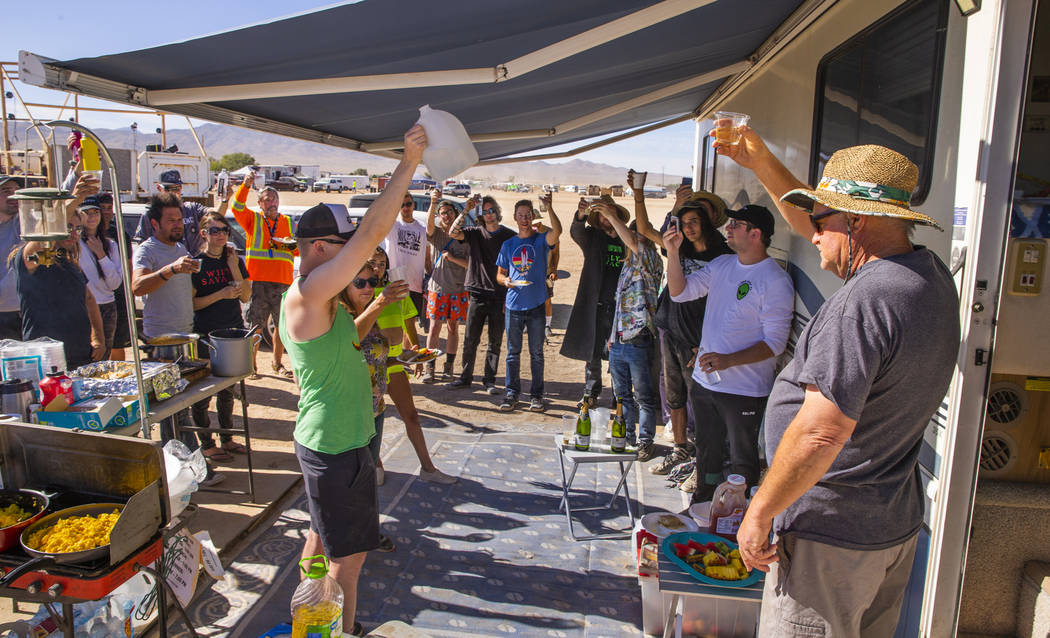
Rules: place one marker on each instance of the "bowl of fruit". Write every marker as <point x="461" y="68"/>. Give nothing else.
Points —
<point x="710" y="559"/>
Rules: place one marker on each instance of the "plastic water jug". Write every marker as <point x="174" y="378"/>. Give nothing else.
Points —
<point x="317" y="604"/>
<point x="449" y="150"/>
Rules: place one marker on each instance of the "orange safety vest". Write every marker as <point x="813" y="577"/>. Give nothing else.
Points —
<point x="265" y="261"/>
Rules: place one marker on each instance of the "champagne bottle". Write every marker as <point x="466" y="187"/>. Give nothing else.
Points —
<point x="618" y="429"/>
<point x="583" y="430"/>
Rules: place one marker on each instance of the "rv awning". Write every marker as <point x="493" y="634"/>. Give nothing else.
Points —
<point x="520" y="75"/>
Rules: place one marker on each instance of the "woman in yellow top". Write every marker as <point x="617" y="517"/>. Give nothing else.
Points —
<point x="394" y="321"/>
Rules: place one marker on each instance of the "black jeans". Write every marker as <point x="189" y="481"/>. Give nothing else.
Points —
<point x="592" y="373"/>
<point x="224" y="410"/>
<point x="720" y="416"/>
<point x="483" y="310"/>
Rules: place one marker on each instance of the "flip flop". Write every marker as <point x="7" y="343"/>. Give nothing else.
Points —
<point x="218" y="455"/>
<point x="234" y="448"/>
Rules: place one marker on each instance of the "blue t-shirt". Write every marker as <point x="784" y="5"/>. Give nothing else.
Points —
<point x="525" y="260"/>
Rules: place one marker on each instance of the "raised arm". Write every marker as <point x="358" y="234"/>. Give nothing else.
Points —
<point x="435" y="197"/>
<point x="325" y="282"/>
<point x="555" y="232"/>
<point x="626" y="235"/>
<point x="753" y="153"/>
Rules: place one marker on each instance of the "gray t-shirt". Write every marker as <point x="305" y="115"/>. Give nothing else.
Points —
<point x="882" y="349"/>
<point x="170" y="307"/>
<point x="447" y="278"/>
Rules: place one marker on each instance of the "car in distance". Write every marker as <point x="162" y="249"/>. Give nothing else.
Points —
<point x="458" y="190"/>
<point x="284" y="183"/>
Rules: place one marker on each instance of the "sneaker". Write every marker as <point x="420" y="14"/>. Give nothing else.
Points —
<point x="385" y="544"/>
<point x="689" y="484"/>
<point x="549" y="332"/>
<point x="537" y="405"/>
<point x="428" y="373"/>
<point x="457" y="384"/>
<point x="646" y="450"/>
<point x="680" y="454"/>
<point x="437" y="476"/>
<point x="492" y="389"/>
<point x="508" y="403"/>
<point x="214" y="479"/>
<point x="380" y="476"/>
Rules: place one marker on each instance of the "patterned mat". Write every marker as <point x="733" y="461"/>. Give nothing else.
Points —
<point x="487" y="556"/>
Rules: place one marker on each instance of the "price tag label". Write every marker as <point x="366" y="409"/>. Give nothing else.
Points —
<point x="182" y="559"/>
<point x="210" y="556"/>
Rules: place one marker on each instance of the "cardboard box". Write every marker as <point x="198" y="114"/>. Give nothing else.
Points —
<point x="94" y="414"/>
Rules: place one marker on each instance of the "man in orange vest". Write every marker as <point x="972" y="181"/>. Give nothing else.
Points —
<point x="269" y="259"/>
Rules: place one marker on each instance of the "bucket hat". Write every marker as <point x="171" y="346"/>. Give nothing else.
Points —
<point x="718" y="206"/>
<point x="621" y="212"/>
<point x="865" y="180"/>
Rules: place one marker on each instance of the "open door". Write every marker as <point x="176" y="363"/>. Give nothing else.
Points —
<point x="997" y="55"/>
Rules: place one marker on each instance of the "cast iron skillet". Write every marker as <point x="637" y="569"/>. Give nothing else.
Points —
<point x="43" y="560"/>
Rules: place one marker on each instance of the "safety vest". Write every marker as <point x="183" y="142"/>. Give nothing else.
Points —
<point x="265" y="261"/>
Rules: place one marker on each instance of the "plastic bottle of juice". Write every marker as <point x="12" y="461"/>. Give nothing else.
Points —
<point x="317" y="604"/>
<point x="727" y="506"/>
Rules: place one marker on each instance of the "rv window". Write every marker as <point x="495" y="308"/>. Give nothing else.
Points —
<point x="708" y="160"/>
<point x="882" y="87"/>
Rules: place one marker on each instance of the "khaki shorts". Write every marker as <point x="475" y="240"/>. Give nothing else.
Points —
<point x="265" y="302"/>
<point x="816" y="589"/>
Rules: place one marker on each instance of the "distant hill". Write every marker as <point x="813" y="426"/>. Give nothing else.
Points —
<point x="266" y="148"/>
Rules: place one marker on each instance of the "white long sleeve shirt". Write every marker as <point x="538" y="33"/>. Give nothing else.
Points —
<point x="102" y="286"/>
<point x="745" y="304"/>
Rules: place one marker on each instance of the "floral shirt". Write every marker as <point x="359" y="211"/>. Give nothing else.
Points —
<point x="637" y="293"/>
<point x="376" y="349"/>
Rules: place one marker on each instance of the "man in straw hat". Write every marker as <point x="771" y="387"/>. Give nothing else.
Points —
<point x="846" y="417"/>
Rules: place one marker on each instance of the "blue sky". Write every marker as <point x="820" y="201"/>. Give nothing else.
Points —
<point x="67" y="30"/>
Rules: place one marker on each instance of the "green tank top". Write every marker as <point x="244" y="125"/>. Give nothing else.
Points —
<point x="335" y="388"/>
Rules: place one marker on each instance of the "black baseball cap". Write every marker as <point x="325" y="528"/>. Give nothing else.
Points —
<point x="757" y="216"/>
<point x="171" y="178"/>
<point x="91" y="201"/>
<point x="323" y="220"/>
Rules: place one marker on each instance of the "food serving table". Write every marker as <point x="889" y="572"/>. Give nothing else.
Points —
<point x="728" y="611"/>
<point x="198" y="391"/>
<point x="576" y="458"/>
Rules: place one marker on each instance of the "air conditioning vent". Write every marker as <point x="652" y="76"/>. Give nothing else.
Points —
<point x="998" y="452"/>
<point x="1007" y="403"/>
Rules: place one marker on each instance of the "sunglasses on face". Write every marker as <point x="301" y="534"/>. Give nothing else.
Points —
<point x="219" y="230"/>
<point x="361" y="282"/>
<point x="408" y="204"/>
<point x="735" y="223"/>
<point x="820" y="220"/>
<point x="337" y="242"/>
<point x="488" y="211"/>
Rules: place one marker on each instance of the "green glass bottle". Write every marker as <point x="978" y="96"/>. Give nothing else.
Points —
<point x="618" y="430"/>
<point x="583" y="430"/>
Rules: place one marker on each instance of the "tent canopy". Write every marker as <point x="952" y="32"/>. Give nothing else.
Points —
<point x="520" y="75"/>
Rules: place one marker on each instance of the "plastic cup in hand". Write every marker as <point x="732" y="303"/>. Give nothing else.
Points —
<point x="397" y="273"/>
<point x="639" y="180"/>
<point x="96" y="175"/>
<point x="727" y="126"/>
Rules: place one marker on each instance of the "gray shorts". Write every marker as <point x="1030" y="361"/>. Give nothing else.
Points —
<point x="677" y="371"/>
<point x="265" y="303"/>
<point x="815" y="589"/>
<point x="341" y="494"/>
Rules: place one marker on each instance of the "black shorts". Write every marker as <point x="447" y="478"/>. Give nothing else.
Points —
<point x="677" y="371"/>
<point x="341" y="494"/>
<point x="122" y="333"/>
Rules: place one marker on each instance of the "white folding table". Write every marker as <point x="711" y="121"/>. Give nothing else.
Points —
<point x="576" y="458"/>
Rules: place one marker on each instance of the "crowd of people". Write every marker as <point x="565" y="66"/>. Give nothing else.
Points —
<point x="688" y="316"/>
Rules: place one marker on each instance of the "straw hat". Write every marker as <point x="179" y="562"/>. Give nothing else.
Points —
<point x="621" y="212"/>
<point x="865" y="180"/>
<point x="718" y="206"/>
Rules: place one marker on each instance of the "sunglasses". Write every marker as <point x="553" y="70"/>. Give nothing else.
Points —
<point x="408" y="204"/>
<point x="219" y="230"/>
<point x="820" y="221"/>
<point x="488" y="211"/>
<point x="734" y="223"/>
<point x="337" y="242"/>
<point x="361" y="282"/>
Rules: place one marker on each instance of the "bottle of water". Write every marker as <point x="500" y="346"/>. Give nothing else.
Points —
<point x="317" y="604"/>
<point x="221" y="184"/>
<point x="712" y="377"/>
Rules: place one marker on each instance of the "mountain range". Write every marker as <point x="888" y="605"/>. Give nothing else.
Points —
<point x="267" y="148"/>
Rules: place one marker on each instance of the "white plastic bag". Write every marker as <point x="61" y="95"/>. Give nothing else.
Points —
<point x="184" y="470"/>
<point x="449" y="150"/>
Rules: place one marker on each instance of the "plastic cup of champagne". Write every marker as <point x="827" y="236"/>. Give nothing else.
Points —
<point x="727" y="126"/>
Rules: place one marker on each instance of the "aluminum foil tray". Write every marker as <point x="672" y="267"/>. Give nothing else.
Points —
<point x="162" y="379"/>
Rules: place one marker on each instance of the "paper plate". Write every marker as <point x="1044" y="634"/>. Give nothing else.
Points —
<point x="521" y="283"/>
<point x="703" y="538"/>
<point x="651" y="524"/>
<point x="430" y="356"/>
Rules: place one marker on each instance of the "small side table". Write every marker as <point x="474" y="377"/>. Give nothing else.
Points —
<point x="734" y="610"/>
<point x="576" y="458"/>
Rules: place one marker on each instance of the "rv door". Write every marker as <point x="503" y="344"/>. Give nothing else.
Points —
<point x="997" y="52"/>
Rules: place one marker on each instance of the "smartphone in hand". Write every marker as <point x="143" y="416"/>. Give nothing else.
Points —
<point x="674" y="223"/>
<point x="687" y="181"/>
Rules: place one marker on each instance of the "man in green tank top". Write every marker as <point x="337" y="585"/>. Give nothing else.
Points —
<point x="335" y="422"/>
